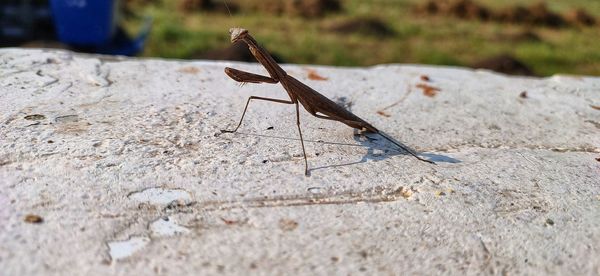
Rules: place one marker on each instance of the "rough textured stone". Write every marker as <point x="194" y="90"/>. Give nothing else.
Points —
<point x="124" y="162"/>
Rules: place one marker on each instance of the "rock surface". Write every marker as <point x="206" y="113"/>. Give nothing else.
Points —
<point x="122" y="163"/>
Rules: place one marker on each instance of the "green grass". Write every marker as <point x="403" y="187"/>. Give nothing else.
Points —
<point x="417" y="39"/>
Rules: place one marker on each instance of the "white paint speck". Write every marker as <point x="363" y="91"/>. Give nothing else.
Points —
<point x="167" y="227"/>
<point x="162" y="196"/>
<point x="314" y="190"/>
<point x="123" y="249"/>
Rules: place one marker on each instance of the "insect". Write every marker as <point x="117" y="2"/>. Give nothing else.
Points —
<point x="299" y="93"/>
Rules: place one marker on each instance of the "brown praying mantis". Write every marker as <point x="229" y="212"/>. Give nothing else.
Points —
<point x="315" y="103"/>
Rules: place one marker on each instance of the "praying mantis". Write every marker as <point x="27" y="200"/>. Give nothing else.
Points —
<point x="299" y="93"/>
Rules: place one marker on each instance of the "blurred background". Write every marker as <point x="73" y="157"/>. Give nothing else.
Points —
<point x="522" y="37"/>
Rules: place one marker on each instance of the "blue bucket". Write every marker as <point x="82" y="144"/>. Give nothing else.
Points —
<point x="85" y="22"/>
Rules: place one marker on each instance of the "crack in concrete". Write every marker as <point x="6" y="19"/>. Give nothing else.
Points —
<point x="102" y="74"/>
<point x="374" y="195"/>
<point x="596" y="124"/>
<point x="461" y="147"/>
<point x="52" y="80"/>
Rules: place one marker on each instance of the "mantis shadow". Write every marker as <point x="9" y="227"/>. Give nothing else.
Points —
<point x="377" y="147"/>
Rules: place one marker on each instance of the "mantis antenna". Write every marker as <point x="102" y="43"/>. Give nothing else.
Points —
<point x="227" y="7"/>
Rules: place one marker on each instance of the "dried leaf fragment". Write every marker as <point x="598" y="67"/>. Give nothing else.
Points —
<point x="189" y="70"/>
<point x="312" y="74"/>
<point x="428" y="90"/>
<point x="597" y="107"/>
<point x="383" y="113"/>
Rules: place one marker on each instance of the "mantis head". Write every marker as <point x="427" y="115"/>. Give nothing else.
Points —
<point x="237" y="34"/>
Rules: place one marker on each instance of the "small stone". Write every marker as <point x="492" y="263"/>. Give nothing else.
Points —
<point x="288" y="224"/>
<point x="35" y="117"/>
<point x="33" y="219"/>
<point x="523" y="95"/>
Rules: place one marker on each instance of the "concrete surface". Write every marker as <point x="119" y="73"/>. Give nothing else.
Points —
<point x="115" y="166"/>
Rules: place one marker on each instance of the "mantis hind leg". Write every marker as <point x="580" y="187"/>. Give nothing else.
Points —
<point x="301" y="139"/>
